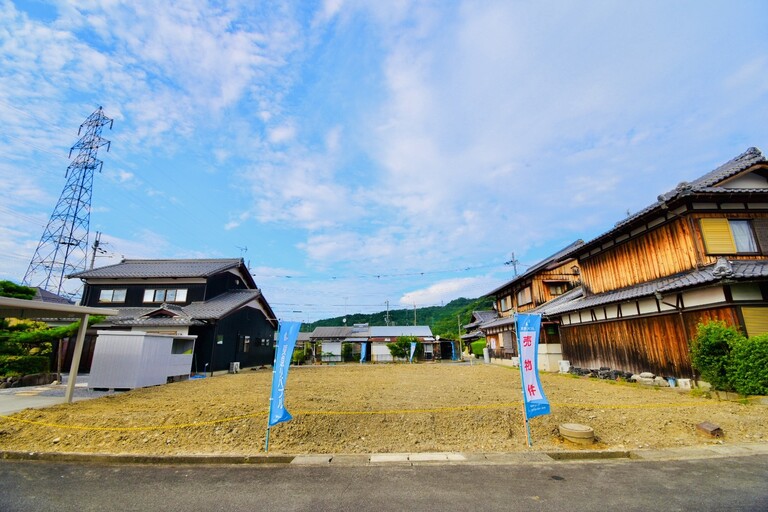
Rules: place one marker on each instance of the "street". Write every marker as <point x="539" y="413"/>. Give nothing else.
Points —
<point x="713" y="484"/>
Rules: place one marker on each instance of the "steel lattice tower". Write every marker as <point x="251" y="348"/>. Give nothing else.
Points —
<point x="63" y="248"/>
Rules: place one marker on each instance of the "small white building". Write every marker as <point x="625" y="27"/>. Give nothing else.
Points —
<point x="135" y="359"/>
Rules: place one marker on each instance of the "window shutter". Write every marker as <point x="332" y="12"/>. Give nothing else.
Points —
<point x="717" y="236"/>
<point x="761" y="230"/>
<point x="755" y="320"/>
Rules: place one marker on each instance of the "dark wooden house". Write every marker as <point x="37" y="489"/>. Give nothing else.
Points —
<point x="699" y="253"/>
<point x="213" y="299"/>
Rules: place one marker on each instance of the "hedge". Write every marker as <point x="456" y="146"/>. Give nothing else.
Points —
<point x="748" y="365"/>
<point x="23" y="365"/>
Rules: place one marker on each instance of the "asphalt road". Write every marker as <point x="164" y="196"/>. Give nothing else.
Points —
<point x="714" y="484"/>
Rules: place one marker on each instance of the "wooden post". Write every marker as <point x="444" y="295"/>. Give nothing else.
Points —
<point x="76" y="358"/>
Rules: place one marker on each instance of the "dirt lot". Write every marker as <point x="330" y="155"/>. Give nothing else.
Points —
<point x="377" y="409"/>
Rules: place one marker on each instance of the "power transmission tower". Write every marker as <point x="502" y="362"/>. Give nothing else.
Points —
<point x="63" y="248"/>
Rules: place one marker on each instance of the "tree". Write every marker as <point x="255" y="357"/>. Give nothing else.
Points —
<point x="401" y="348"/>
<point x="16" y="291"/>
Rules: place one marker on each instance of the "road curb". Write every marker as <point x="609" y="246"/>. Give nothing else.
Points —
<point x="412" y="459"/>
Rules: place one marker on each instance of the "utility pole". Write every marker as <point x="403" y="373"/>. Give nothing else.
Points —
<point x="386" y="318"/>
<point x="513" y="262"/>
<point x="414" y="314"/>
<point x="96" y="248"/>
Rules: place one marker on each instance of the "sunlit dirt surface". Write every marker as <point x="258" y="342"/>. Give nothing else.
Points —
<point x="387" y="408"/>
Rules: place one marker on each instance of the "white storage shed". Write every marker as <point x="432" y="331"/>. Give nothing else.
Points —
<point x="136" y="359"/>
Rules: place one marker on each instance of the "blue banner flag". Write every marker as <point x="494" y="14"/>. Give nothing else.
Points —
<point x="528" y="326"/>
<point x="286" y="340"/>
<point x="413" y="350"/>
<point x="363" y="351"/>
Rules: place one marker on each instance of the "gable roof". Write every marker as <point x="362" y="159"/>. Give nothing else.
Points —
<point x="421" y="331"/>
<point x="710" y="183"/>
<point x="137" y="269"/>
<point x="549" y="262"/>
<point x="480" y="317"/>
<point x="220" y="306"/>
<point x="44" y="295"/>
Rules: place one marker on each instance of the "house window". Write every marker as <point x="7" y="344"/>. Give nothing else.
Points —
<point x="112" y="295"/>
<point x="165" y="295"/>
<point x="524" y="296"/>
<point x="728" y="236"/>
<point x="558" y="288"/>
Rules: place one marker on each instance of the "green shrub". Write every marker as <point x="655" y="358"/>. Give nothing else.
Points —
<point x="23" y="365"/>
<point x="298" y="356"/>
<point x="748" y="366"/>
<point x="711" y="352"/>
<point x="477" y="348"/>
<point x="346" y="352"/>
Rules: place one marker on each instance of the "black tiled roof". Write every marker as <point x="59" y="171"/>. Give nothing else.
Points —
<point x="192" y="314"/>
<point x="128" y="269"/>
<point x="722" y="270"/>
<point x="480" y="318"/>
<point x="221" y="305"/>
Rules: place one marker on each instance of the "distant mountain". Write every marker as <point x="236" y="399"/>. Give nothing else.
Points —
<point x="443" y="320"/>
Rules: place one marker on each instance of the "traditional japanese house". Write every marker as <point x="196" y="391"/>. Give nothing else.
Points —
<point x="474" y="333"/>
<point x="216" y="300"/>
<point x="541" y="283"/>
<point x="700" y="252"/>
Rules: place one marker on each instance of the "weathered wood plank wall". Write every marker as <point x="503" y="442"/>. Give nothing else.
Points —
<point x="655" y="344"/>
<point x="664" y="251"/>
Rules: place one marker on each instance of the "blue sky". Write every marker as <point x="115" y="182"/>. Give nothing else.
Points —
<point x="367" y="152"/>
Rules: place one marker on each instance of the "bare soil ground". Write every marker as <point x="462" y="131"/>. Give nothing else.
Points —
<point x="378" y="409"/>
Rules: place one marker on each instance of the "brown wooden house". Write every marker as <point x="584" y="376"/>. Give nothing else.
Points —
<point x="551" y="278"/>
<point x="699" y="253"/>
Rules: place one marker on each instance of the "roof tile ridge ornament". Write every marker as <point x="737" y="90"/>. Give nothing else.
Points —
<point x="749" y="153"/>
<point x="723" y="269"/>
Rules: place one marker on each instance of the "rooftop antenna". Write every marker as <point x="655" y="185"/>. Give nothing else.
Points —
<point x="63" y="248"/>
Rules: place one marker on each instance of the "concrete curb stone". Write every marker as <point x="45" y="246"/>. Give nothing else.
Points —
<point x="409" y="459"/>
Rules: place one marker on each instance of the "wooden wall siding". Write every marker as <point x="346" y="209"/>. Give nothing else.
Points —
<point x="665" y="251"/>
<point x="540" y="293"/>
<point x="656" y="344"/>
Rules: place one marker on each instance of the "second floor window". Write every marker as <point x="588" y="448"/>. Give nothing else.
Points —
<point x="557" y="288"/>
<point x="112" y="295"/>
<point x="165" y="295"/>
<point x="728" y="236"/>
<point x="524" y="296"/>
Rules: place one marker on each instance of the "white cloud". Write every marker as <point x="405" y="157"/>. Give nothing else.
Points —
<point x="447" y="290"/>
<point x="282" y="134"/>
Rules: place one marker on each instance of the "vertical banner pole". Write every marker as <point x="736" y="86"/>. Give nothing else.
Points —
<point x="286" y="341"/>
<point x="535" y="403"/>
<point x="269" y="416"/>
<point x="522" y="387"/>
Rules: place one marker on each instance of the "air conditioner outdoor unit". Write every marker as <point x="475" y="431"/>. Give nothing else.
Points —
<point x="234" y="367"/>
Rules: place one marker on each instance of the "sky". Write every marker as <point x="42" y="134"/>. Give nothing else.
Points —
<point x="364" y="155"/>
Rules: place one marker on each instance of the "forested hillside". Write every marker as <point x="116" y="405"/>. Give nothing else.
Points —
<point x="443" y="320"/>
